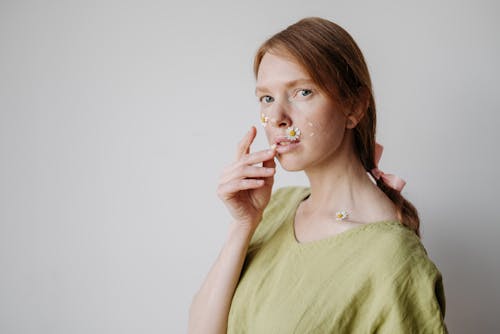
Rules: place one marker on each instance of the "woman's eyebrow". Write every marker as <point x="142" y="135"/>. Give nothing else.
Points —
<point x="287" y="85"/>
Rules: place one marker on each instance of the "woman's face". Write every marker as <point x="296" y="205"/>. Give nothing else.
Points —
<point x="290" y="100"/>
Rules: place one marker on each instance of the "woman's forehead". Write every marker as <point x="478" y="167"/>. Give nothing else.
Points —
<point x="279" y="70"/>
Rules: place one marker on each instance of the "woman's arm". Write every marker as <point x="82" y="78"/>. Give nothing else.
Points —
<point x="210" y="308"/>
<point x="245" y="188"/>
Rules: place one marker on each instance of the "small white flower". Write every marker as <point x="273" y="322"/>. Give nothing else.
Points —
<point x="341" y="215"/>
<point x="263" y="119"/>
<point x="292" y="133"/>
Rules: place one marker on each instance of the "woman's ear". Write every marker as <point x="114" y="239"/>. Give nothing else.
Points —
<point x="359" y="108"/>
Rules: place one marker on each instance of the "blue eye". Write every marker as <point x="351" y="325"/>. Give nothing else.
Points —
<point x="267" y="99"/>
<point x="305" y="92"/>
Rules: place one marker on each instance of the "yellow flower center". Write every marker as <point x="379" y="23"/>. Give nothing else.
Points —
<point x="292" y="133"/>
<point x="263" y="118"/>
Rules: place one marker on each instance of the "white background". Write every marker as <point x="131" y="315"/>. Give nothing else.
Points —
<point x="116" y="118"/>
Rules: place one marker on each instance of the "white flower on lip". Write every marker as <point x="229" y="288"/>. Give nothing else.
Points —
<point x="292" y="133"/>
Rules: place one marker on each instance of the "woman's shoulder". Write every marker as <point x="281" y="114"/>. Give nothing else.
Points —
<point x="395" y="235"/>
<point x="280" y="209"/>
<point x="284" y="202"/>
<point x="288" y="196"/>
<point x="408" y="278"/>
<point x="397" y="249"/>
<point x="290" y="191"/>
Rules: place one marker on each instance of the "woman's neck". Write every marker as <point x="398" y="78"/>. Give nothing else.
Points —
<point x="338" y="183"/>
<point x="343" y="183"/>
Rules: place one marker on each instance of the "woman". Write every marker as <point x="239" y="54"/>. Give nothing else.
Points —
<point x="341" y="256"/>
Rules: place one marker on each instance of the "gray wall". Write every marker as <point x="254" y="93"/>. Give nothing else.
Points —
<point x="116" y="118"/>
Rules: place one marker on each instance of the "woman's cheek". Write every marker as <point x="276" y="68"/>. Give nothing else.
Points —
<point x="313" y="128"/>
<point x="270" y="140"/>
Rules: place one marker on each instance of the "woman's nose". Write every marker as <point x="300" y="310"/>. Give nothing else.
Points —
<point x="279" y="116"/>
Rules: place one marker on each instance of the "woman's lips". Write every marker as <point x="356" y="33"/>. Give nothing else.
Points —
<point x="284" y="144"/>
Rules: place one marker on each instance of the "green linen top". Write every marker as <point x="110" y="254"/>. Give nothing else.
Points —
<point x="375" y="278"/>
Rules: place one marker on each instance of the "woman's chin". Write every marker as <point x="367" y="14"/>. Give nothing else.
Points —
<point x="291" y="166"/>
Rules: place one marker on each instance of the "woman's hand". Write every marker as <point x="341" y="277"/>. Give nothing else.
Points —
<point x="245" y="186"/>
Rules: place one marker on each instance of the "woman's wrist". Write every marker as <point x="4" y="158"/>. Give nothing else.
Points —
<point x="242" y="230"/>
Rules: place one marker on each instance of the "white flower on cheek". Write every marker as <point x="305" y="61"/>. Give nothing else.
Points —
<point x="263" y="119"/>
<point x="292" y="133"/>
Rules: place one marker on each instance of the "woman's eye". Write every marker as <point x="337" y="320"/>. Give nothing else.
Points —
<point x="267" y="99"/>
<point x="305" y="92"/>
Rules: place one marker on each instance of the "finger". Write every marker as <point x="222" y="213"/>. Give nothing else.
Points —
<point x="251" y="159"/>
<point x="244" y="172"/>
<point x="258" y="157"/>
<point x="226" y="190"/>
<point x="271" y="163"/>
<point x="244" y="144"/>
<point x="241" y="171"/>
